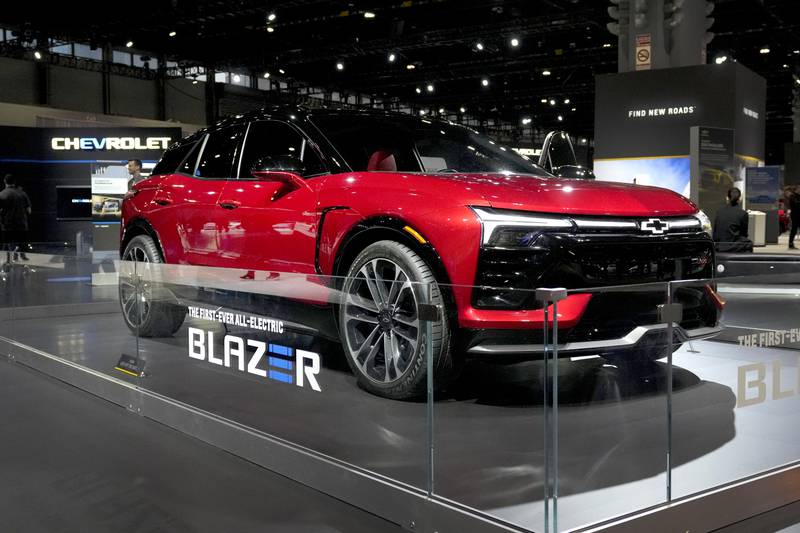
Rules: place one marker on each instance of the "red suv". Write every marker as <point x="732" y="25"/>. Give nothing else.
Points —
<point x="388" y="201"/>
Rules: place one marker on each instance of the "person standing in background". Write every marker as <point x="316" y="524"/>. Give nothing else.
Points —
<point x="15" y="206"/>
<point x="135" y="170"/>
<point x="794" y="215"/>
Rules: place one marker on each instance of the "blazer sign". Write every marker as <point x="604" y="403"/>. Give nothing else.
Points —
<point x="109" y="143"/>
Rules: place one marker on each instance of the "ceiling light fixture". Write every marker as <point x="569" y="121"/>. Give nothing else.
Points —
<point x="419" y="91"/>
<point x="544" y="100"/>
<point x="560" y="118"/>
<point x="514" y="42"/>
<point x="479" y="46"/>
<point x="441" y="111"/>
<point x="281" y="71"/>
<point x="369" y="15"/>
<point x="129" y="44"/>
<point x="37" y="54"/>
<point x="270" y="29"/>
<point x="173" y="33"/>
<point x="720" y="59"/>
<point x="271" y="17"/>
<point x="552" y="101"/>
<point x="266" y="75"/>
<point x="526" y="121"/>
<point x="764" y="50"/>
<point x="463" y="109"/>
<point x="411" y="66"/>
<point x="545" y="73"/>
<point x="237" y="78"/>
<point x="606" y="45"/>
<point x="574" y="109"/>
<point x="339" y="66"/>
<point x="485" y="82"/>
<point x="430" y="87"/>
<point x="566" y="101"/>
<point x="422" y="111"/>
<point x="392" y="57"/>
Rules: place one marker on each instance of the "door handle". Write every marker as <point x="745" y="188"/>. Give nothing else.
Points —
<point x="229" y="204"/>
<point x="162" y="201"/>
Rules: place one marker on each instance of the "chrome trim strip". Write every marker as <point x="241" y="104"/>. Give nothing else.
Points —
<point x="628" y="341"/>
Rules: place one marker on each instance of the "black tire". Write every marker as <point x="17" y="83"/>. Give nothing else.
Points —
<point x="367" y="330"/>
<point x="152" y="316"/>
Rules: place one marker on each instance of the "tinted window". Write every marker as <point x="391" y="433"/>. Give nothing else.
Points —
<point x="216" y="161"/>
<point x="277" y="139"/>
<point x="187" y="167"/>
<point x="419" y="145"/>
<point x="171" y="159"/>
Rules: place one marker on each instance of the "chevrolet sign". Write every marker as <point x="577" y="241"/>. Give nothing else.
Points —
<point x="109" y="143"/>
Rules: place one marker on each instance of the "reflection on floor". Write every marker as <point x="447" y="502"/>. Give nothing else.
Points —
<point x="489" y="426"/>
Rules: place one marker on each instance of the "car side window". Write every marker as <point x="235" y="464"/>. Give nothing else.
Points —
<point x="270" y="138"/>
<point x="172" y="158"/>
<point x="216" y="161"/>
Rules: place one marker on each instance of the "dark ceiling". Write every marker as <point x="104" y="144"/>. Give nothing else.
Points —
<point x="566" y="37"/>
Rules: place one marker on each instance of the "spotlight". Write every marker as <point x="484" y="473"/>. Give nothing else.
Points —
<point x="280" y="70"/>
<point x="237" y="78"/>
<point x="422" y="111"/>
<point x="419" y="91"/>
<point x="560" y="118"/>
<point x="545" y="73"/>
<point x="606" y="45"/>
<point x="566" y="101"/>
<point x="552" y="101"/>
<point x="485" y="82"/>
<point x="129" y="44"/>
<point x="764" y="50"/>
<point x="339" y="66"/>
<point x="271" y="17"/>
<point x="37" y="54"/>
<point x="441" y="111"/>
<point x="270" y="29"/>
<point x="573" y="109"/>
<point x="462" y="109"/>
<point x="194" y="82"/>
<point x="514" y="42"/>
<point x="526" y="121"/>
<point x="411" y="66"/>
<point x="173" y="33"/>
<point x="479" y="46"/>
<point x="369" y="15"/>
<point x="544" y="100"/>
<point x="266" y="75"/>
<point x="392" y="57"/>
<point x="720" y="59"/>
<point x="429" y="88"/>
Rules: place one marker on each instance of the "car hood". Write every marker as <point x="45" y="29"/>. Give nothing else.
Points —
<point x="551" y="194"/>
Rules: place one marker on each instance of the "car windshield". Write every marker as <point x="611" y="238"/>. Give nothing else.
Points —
<point x="380" y="143"/>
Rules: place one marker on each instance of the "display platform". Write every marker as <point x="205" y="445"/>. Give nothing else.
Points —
<point x="488" y="427"/>
<point x="82" y="484"/>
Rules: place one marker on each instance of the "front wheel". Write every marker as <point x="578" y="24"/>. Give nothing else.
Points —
<point x="144" y="313"/>
<point x="382" y="334"/>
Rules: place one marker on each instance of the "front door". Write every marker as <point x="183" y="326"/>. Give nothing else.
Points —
<point x="270" y="225"/>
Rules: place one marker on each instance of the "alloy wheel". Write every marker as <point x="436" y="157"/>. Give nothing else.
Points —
<point x="381" y="322"/>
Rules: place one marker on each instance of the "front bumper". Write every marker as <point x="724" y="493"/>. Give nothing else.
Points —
<point x="640" y="337"/>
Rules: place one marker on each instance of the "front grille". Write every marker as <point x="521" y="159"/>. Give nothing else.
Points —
<point x="507" y="277"/>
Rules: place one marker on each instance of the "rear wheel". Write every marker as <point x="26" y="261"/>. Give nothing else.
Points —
<point x="144" y="312"/>
<point x="380" y="327"/>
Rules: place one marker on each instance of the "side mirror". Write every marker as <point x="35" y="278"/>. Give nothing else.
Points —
<point x="574" y="172"/>
<point x="285" y="169"/>
<point x="557" y="151"/>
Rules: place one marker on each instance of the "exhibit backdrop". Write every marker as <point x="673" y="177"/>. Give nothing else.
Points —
<point x="56" y="167"/>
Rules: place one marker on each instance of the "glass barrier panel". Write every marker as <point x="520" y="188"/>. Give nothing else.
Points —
<point x="59" y="309"/>
<point x="334" y="365"/>
<point x="736" y="415"/>
<point x="610" y="375"/>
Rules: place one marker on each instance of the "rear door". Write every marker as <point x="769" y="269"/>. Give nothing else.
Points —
<point x="202" y="220"/>
<point x="270" y="225"/>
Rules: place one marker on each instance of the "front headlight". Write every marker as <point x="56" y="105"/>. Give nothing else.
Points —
<point x="513" y="228"/>
<point x="705" y="222"/>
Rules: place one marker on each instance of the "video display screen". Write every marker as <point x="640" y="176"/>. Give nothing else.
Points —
<point x="74" y="203"/>
<point x="669" y="172"/>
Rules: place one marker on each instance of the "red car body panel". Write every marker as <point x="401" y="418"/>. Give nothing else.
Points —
<point x="273" y="228"/>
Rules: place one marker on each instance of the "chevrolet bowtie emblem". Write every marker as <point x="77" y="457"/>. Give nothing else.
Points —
<point x="655" y="226"/>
